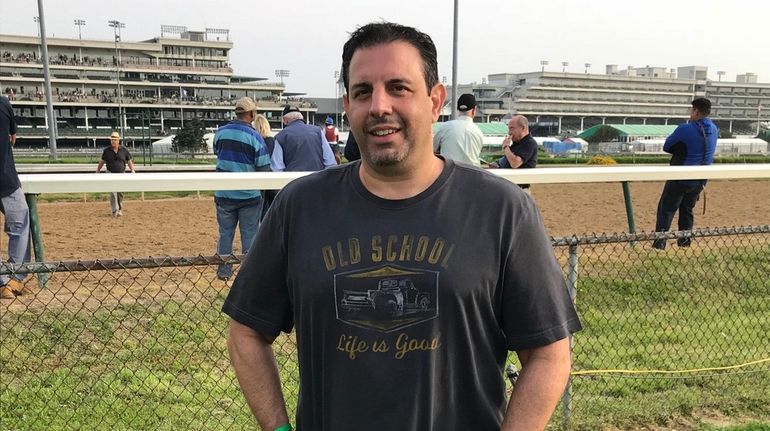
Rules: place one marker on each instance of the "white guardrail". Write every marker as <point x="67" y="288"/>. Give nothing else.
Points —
<point x="190" y="181"/>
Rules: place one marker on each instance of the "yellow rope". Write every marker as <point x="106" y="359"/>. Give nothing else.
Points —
<point x="695" y="370"/>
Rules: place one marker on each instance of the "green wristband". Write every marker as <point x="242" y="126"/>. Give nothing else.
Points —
<point x="286" y="427"/>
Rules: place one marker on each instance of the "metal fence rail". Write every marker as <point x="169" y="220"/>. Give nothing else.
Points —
<point x="671" y="337"/>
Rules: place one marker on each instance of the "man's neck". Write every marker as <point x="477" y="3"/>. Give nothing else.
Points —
<point x="400" y="182"/>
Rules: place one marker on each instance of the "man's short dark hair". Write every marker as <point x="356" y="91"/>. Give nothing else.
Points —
<point x="378" y="33"/>
<point x="702" y="105"/>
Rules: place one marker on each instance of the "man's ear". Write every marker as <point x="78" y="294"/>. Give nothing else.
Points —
<point x="437" y="98"/>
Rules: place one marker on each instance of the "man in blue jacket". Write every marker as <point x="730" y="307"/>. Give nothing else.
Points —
<point x="692" y="144"/>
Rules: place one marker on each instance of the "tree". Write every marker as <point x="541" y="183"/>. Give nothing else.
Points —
<point x="190" y="138"/>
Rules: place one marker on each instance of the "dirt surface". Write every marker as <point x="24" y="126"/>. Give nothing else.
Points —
<point x="187" y="227"/>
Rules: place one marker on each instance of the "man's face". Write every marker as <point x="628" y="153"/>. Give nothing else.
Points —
<point x="390" y="109"/>
<point x="515" y="131"/>
<point x="114" y="142"/>
<point x="694" y="114"/>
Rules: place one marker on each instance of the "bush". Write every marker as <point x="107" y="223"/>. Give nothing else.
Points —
<point x="601" y="160"/>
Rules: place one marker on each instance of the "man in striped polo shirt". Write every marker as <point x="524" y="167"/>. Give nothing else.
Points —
<point x="239" y="148"/>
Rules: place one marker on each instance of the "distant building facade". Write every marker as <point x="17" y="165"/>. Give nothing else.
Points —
<point x="566" y="103"/>
<point x="147" y="88"/>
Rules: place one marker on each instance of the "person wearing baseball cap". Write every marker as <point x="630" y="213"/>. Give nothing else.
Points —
<point x="116" y="157"/>
<point x="460" y="139"/>
<point x="300" y="146"/>
<point x="239" y="148"/>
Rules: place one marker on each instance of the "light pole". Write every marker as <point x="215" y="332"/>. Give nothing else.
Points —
<point x="46" y="81"/>
<point x="117" y="25"/>
<point x="37" y="26"/>
<point x="80" y="23"/>
<point x="564" y="65"/>
<point x="720" y="73"/>
<point x="543" y="64"/>
<point x="337" y="96"/>
<point x="282" y="73"/>
<point x="588" y="66"/>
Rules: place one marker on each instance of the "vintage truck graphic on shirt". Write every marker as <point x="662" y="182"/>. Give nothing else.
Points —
<point x="386" y="298"/>
<point x="391" y="298"/>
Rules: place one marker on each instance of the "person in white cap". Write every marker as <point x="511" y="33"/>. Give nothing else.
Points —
<point x="116" y="157"/>
<point x="300" y="146"/>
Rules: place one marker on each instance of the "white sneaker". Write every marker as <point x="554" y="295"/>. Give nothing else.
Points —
<point x="119" y="214"/>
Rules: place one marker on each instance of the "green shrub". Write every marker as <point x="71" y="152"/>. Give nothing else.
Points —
<point x="601" y="160"/>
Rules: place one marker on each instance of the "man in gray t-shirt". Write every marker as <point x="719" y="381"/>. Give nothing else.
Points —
<point x="405" y="311"/>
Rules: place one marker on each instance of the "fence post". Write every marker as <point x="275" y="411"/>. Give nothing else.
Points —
<point x="572" y="281"/>
<point x="37" y="237"/>
<point x="629" y="209"/>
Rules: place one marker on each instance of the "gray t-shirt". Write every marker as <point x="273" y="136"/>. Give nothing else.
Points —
<point x="404" y="310"/>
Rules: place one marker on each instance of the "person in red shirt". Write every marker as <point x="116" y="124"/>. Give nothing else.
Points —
<point x="333" y="137"/>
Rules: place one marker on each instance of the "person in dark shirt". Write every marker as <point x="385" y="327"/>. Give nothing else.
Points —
<point x="13" y="205"/>
<point x="352" y="153"/>
<point x="519" y="148"/>
<point x="402" y="311"/>
<point x="116" y="157"/>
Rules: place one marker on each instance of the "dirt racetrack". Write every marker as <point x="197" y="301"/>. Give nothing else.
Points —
<point x="187" y="227"/>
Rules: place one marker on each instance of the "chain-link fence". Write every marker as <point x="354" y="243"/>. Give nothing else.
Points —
<point x="675" y="337"/>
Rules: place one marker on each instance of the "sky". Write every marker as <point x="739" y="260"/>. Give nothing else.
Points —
<point x="306" y="37"/>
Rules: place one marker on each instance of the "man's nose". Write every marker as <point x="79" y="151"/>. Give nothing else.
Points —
<point x="381" y="103"/>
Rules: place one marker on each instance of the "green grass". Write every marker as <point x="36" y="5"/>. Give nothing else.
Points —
<point x="650" y="314"/>
<point x="130" y="367"/>
<point x="161" y="363"/>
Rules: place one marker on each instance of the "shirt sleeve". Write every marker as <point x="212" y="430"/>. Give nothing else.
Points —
<point x="673" y="138"/>
<point x="276" y="163"/>
<point x="503" y="162"/>
<point x="259" y="297"/>
<point x="328" y="155"/>
<point x="261" y="156"/>
<point x="527" y="153"/>
<point x="536" y="306"/>
<point x="12" y="118"/>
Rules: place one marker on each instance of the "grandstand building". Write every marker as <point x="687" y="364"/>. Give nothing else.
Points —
<point x="147" y="88"/>
<point x="567" y="103"/>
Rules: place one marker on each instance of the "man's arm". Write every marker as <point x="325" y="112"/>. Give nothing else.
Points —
<point x="99" y="167"/>
<point x="131" y="166"/>
<point x="12" y="137"/>
<point x="252" y="357"/>
<point x="673" y="138"/>
<point x="544" y="374"/>
<point x="513" y="160"/>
